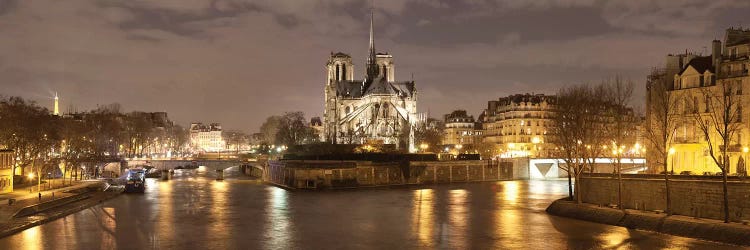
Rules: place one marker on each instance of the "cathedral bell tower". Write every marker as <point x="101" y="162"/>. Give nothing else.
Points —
<point x="340" y="67"/>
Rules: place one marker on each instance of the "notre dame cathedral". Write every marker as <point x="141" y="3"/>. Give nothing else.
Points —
<point x="376" y="108"/>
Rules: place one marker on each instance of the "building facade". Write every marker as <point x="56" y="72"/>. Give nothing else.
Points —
<point x="723" y="73"/>
<point x="460" y="130"/>
<point x="206" y="138"/>
<point x="317" y="125"/>
<point x="7" y="162"/>
<point x="376" y="108"/>
<point x="519" y="125"/>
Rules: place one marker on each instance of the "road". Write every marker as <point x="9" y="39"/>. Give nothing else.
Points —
<point x="193" y="211"/>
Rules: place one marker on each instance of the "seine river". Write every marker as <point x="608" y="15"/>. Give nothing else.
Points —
<point x="193" y="211"/>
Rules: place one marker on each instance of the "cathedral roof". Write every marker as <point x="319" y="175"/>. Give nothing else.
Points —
<point x="378" y="86"/>
<point x="349" y="89"/>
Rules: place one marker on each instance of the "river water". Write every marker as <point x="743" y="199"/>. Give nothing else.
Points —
<point x="194" y="211"/>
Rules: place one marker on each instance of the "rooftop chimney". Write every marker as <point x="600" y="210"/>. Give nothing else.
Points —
<point x="716" y="55"/>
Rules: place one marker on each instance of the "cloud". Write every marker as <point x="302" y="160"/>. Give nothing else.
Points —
<point x="686" y="17"/>
<point x="237" y="62"/>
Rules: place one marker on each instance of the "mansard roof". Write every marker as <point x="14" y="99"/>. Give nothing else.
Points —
<point x="700" y="64"/>
<point x="737" y="36"/>
<point x="530" y="98"/>
<point x="378" y="86"/>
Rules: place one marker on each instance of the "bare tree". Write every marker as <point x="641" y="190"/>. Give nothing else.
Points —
<point x="580" y="126"/>
<point x="661" y="124"/>
<point x="621" y="131"/>
<point x="570" y="130"/>
<point x="720" y="122"/>
<point x="293" y="129"/>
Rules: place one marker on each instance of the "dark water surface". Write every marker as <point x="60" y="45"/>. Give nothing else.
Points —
<point x="193" y="211"/>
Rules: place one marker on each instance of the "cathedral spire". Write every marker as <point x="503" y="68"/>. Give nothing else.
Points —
<point x="372" y="67"/>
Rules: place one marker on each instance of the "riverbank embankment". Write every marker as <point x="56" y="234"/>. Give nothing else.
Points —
<point x="706" y="229"/>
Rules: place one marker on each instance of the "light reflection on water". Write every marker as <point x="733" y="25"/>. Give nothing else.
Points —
<point x="218" y="211"/>
<point x="194" y="211"/>
<point x="278" y="227"/>
<point x="423" y="216"/>
<point x="458" y="210"/>
<point x="165" y="216"/>
<point x="31" y="237"/>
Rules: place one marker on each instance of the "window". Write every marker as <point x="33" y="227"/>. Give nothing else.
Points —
<point x="739" y="112"/>
<point x="739" y="87"/>
<point x="708" y="103"/>
<point x="695" y="105"/>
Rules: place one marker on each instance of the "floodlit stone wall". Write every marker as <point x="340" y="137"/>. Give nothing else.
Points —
<point x="338" y="174"/>
<point x="697" y="196"/>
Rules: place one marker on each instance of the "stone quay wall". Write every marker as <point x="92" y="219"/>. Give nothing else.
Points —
<point x="695" y="196"/>
<point x="353" y="174"/>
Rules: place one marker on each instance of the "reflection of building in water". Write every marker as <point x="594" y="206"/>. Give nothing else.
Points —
<point x="376" y="108"/>
<point x="206" y="138"/>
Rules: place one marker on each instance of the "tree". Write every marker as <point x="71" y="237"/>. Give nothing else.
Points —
<point x="27" y="129"/>
<point x="294" y="130"/>
<point x="578" y="127"/>
<point x="622" y="126"/>
<point x="77" y="147"/>
<point x="719" y="124"/>
<point x="269" y="129"/>
<point x="661" y="124"/>
<point x="138" y="133"/>
<point x="429" y="132"/>
<point x="179" y="138"/>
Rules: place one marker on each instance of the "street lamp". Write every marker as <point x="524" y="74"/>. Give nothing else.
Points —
<point x="423" y="146"/>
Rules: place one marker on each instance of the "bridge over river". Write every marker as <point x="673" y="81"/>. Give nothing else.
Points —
<point x="252" y="167"/>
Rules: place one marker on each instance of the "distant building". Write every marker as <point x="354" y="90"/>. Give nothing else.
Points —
<point x="317" y="125"/>
<point x="519" y="125"/>
<point x="689" y="78"/>
<point x="206" y="138"/>
<point x="7" y="162"/>
<point x="157" y="119"/>
<point x="460" y="130"/>
<point x="376" y="108"/>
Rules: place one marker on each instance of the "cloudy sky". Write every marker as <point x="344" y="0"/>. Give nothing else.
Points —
<point x="239" y="61"/>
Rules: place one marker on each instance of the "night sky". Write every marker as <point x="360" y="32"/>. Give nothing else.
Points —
<point x="238" y="61"/>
